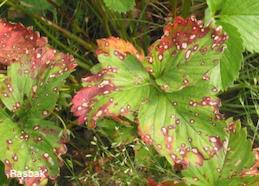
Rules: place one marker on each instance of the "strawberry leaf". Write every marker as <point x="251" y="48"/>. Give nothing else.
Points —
<point x="226" y="166"/>
<point x="254" y="170"/>
<point x="186" y="110"/>
<point x="35" y="72"/>
<point x="119" y="85"/>
<point x="185" y="54"/>
<point x="31" y="145"/>
<point x="31" y="88"/>
<point x="223" y="75"/>
<point x="172" y="122"/>
<point x="16" y="40"/>
<point x="241" y="14"/>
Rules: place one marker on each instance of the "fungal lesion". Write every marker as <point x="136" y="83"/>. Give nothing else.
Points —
<point x="254" y="169"/>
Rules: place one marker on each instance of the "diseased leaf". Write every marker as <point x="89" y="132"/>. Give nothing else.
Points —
<point x="226" y="166"/>
<point x="172" y="122"/>
<point x="30" y="90"/>
<point x="32" y="85"/>
<point x="184" y="54"/>
<point x="254" y="170"/>
<point x="16" y="40"/>
<point x="244" y="15"/>
<point x="120" y="6"/>
<point x="114" y="75"/>
<point x="187" y="110"/>
<point x="31" y="145"/>
<point x="223" y="75"/>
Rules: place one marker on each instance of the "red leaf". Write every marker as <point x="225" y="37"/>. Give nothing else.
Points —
<point x="183" y="32"/>
<point x="46" y="57"/>
<point x="17" y="40"/>
<point x="83" y="100"/>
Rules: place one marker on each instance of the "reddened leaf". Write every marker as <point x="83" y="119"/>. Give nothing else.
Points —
<point x="120" y="86"/>
<point x="36" y="76"/>
<point x="185" y="54"/>
<point x="35" y="72"/>
<point x="172" y="122"/>
<point x="16" y="40"/>
<point x="186" y="111"/>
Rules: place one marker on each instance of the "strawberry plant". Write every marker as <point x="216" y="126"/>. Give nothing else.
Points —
<point x="171" y="100"/>
<point x="29" y="92"/>
<point x="168" y="94"/>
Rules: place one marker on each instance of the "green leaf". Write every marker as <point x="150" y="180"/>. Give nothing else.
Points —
<point x="30" y="145"/>
<point x="172" y="122"/>
<point x="223" y="75"/>
<point x="226" y="166"/>
<point x="186" y="111"/>
<point x="120" y="6"/>
<point x="244" y="15"/>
